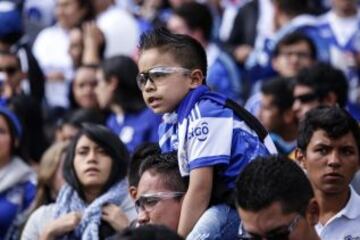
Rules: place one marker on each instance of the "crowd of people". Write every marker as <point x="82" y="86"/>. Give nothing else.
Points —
<point x="179" y="119"/>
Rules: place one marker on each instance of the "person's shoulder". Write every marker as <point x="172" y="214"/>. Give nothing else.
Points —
<point x="49" y="31"/>
<point x="42" y="214"/>
<point x="36" y="222"/>
<point x="46" y="37"/>
<point x="211" y="108"/>
<point x="324" y="18"/>
<point x="29" y="187"/>
<point x="117" y="14"/>
<point x="354" y="201"/>
<point x="45" y="210"/>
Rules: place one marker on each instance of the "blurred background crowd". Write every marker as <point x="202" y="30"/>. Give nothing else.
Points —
<point x="68" y="62"/>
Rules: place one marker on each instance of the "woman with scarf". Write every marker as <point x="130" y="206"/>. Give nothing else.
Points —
<point x="17" y="180"/>
<point x="94" y="170"/>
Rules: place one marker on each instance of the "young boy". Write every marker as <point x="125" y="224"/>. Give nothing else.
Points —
<point x="212" y="142"/>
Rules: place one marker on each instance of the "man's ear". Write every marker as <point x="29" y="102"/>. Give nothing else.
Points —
<point x="300" y="158"/>
<point x="197" y="78"/>
<point x="312" y="212"/>
<point x="289" y="116"/>
<point x="113" y="83"/>
<point x="330" y="99"/>
<point x="132" y="191"/>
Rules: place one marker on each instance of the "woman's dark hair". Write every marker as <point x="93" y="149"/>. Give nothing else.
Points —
<point x="112" y="146"/>
<point x="77" y="117"/>
<point x="127" y="93"/>
<point x="29" y="111"/>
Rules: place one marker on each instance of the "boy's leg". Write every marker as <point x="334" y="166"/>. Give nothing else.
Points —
<point x="218" y="222"/>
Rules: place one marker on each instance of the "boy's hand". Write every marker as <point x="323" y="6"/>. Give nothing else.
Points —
<point x="196" y="199"/>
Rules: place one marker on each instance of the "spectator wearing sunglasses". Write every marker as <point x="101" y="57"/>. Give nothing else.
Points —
<point x="276" y="113"/>
<point x="15" y="94"/>
<point x="328" y="148"/>
<point x="11" y="75"/>
<point x="320" y="84"/>
<point x="160" y="191"/>
<point x="275" y="201"/>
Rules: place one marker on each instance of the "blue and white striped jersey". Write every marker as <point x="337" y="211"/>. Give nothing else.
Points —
<point x="206" y="133"/>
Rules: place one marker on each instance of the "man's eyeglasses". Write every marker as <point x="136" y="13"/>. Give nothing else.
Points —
<point x="307" y="97"/>
<point x="148" y="201"/>
<point x="281" y="233"/>
<point x="11" y="70"/>
<point x="157" y="75"/>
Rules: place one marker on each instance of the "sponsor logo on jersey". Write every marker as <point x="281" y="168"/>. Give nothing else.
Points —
<point x="200" y="132"/>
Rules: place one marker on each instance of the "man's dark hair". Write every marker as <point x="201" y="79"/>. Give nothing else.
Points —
<point x="323" y="79"/>
<point x="335" y="121"/>
<point x="79" y="116"/>
<point x="15" y="131"/>
<point x="271" y="179"/>
<point x="141" y="153"/>
<point x="112" y="146"/>
<point x="197" y="16"/>
<point x="187" y="51"/>
<point x="166" y="165"/>
<point x="127" y="93"/>
<point x="295" y="38"/>
<point x="148" y="232"/>
<point x="279" y="88"/>
<point x="293" y="8"/>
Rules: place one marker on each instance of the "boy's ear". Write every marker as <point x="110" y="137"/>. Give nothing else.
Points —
<point x="197" y="78"/>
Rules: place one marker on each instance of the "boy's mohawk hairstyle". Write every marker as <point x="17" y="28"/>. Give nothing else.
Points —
<point x="156" y="38"/>
<point x="186" y="50"/>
